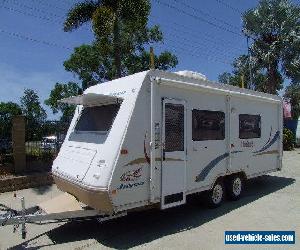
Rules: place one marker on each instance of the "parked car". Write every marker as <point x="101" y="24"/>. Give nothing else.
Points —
<point x="49" y="142"/>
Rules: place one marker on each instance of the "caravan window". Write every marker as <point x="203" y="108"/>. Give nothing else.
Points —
<point x="97" y="118"/>
<point x="208" y="125"/>
<point x="249" y="126"/>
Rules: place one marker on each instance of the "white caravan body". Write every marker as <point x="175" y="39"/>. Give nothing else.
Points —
<point x="155" y="137"/>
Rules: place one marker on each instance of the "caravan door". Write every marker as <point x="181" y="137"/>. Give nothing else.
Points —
<point x="173" y="182"/>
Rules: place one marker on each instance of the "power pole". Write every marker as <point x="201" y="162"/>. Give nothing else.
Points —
<point x="152" y="66"/>
<point x="246" y="33"/>
<point x="242" y="81"/>
<point x="250" y="62"/>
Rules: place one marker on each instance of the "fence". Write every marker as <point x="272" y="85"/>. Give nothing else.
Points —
<point x="40" y="152"/>
<point x="6" y="156"/>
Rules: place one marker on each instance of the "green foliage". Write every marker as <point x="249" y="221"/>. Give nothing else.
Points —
<point x="79" y="14"/>
<point x="121" y="34"/>
<point x="40" y="155"/>
<point x="6" y="159"/>
<point x="7" y="111"/>
<point x="164" y="61"/>
<point x="274" y="28"/>
<point x="292" y="94"/>
<point x="57" y="127"/>
<point x="288" y="139"/>
<point x="92" y="68"/>
<point x="241" y="69"/>
<point x="59" y="92"/>
<point x="35" y="114"/>
<point x="89" y="64"/>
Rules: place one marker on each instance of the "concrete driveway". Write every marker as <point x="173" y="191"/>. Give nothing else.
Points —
<point x="271" y="202"/>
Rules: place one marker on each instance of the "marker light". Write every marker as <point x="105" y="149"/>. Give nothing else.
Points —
<point x="124" y="151"/>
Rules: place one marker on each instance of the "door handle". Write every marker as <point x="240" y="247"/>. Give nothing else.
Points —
<point x="164" y="155"/>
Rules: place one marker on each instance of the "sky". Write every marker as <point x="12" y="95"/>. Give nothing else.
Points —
<point x="204" y="34"/>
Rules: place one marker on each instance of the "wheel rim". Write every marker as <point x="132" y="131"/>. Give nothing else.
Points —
<point x="237" y="186"/>
<point x="217" y="194"/>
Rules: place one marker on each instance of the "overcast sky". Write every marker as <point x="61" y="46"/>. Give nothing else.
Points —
<point x="205" y="35"/>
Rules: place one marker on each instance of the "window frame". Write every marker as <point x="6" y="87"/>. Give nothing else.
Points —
<point x="102" y="132"/>
<point x="239" y="123"/>
<point x="214" y="111"/>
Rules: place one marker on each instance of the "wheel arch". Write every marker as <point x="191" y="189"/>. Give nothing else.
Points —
<point x="226" y="176"/>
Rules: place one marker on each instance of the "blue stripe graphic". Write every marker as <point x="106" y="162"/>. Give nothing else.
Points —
<point x="212" y="164"/>
<point x="275" y="138"/>
<point x="215" y="161"/>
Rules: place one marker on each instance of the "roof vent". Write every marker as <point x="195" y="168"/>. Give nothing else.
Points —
<point x="192" y="74"/>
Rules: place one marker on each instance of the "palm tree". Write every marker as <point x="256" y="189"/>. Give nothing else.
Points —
<point x="111" y="21"/>
<point x="274" y="26"/>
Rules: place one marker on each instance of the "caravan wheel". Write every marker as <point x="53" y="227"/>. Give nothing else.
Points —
<point x="215" y="196"/>
<point x="235" y="186"/>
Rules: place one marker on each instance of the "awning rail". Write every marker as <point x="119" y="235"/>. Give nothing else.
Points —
<point x="91" y="99"/>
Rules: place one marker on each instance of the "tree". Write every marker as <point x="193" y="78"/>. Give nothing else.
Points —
<point x="89" y="64"/>
<point x="121" y="33"/>
<point x="110" y="19"/>
<point x="138" y="63"/>
<point x="59" y="92"/>
<point x="7" y="111"/>
<point x="273" y="27"/>
<point x="292" y="94"/>
<point x="35" y="114"/>
<point x="91" y="67"/>
<point x="241" y="71"/>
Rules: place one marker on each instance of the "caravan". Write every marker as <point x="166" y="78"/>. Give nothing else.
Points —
<point x="154" y="137"/>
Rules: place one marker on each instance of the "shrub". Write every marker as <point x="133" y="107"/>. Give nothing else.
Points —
<point x="6" y="158"/>
<point x="42" y="155"/>
<point x="288" y="139"/>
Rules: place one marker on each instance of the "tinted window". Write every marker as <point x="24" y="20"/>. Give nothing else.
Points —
<point x="174" y="127"/>
<point x="98" y="118"/>
<point x="249" y="126"/>
<point x="208" y="125"/>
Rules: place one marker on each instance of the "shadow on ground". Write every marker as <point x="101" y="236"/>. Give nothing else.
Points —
<point x="42" y="189"/>
<point x="142" y="227"/>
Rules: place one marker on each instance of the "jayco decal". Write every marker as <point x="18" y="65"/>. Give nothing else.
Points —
<point x="130" y="185"/>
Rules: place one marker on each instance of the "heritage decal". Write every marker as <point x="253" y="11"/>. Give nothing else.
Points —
<point x="247" y="144"/>
<point x="263" y="151"/>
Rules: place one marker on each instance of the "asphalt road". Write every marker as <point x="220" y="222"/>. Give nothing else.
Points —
<point x="271" y="202"/>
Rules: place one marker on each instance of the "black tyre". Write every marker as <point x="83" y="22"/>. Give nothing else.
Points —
<point x="215" y="196"/>
<point x="234" y="187"/>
